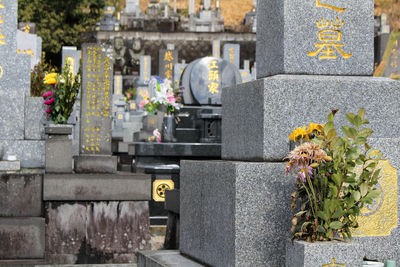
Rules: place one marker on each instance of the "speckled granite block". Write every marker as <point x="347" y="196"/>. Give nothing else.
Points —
<point x="30" y="153"/>
<point x="35" y="118"/>
<point x="22" y="238"/>
<point x="287" y="31"/>
<point x="258" y="117"/>
<point x="21" y="194"/>
<point x="14" y="79"/>
<point x="10" y="165"/>
<point x="304" y="254"/>
<point x="235" y="213"/>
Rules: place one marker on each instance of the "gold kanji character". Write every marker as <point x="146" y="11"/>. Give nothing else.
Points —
<point x="168" y="74"/>
<point x="333" y="264"/>
<point x="27" y="28"/>
<point x="213" y="75"/>
<point x="213" y="88"/>
<point x="168" y="56"/>
<point x="212" y="65"/>
<point x="394" y="64"/>
<point x="337" y="9"/>
<point x="330" y="40"/>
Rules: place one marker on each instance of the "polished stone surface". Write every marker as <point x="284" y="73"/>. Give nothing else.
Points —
<point x="176" y="149"/>
<point x="287" y="31"/>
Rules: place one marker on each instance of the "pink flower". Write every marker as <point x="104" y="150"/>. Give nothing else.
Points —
<point x="49" y="101"/>
<point x="143" y="103"/>
<point x="158" y="140"/>
<point x="45" y="95"/>
<point x="48" y="111"/>
<point x="171" y="98"/>
<point x="304" y="170"/>
<point x="156" y="133"/>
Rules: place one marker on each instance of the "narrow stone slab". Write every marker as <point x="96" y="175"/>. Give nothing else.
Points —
<point x="164" y="258"/>
<point x="258" y="117"/>
<point x="87" y="187"/>
<point x="9" y="21"/>
<point x="235" y="213"/>
<point x="22" y="238"/>
<point x="35" y="118"/>
<point x="90" y="265"/>
<point x="321" y="37"/>
<point x="59" y="130"/>
<point x="10" y="165"/>
<point x="21" y="194"/>
<point x="96" y="164"/>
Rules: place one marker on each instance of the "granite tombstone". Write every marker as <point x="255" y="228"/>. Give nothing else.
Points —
<point x="167" y="60"/>
<point x="315" y="37"/>
<point x="232" y="54"/>
<point x="392" y="69"/>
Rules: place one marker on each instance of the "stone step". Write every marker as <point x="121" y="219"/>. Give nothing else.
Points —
<point x="164" y="258"/>
<point x="21" y="263"/>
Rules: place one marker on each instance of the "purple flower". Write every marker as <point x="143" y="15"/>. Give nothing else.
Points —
<point x="304" y="170"/>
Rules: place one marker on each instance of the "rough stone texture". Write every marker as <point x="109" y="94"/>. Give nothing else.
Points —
<point x="59" y="155"/>
<point x="258" y="117"/>
<point x="106" y="187"/>
<point x="93" y="265"/>
<point x="10" y="165"/>
<point x="164" y="258"/>
<point x="22" y="238"/>
<point x="97" y="232"/>
<point x="96" y="164"/>
<point x="304" y="254"/>
<point x="59" y="129"/>
<point x="30" y="153"/>
<point x="35" y="118"/>
<point x="21" y="194"/>
<point x="14" y="79"/>
<point x="287" y="32"/>
<point x="234" y="213"/>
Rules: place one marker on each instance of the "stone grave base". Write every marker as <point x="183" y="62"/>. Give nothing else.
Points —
<point x="258" y="116"/>
<point x="29" y="152"/>
<point x="96" y="164"/>
<point x="305" y="254"/>
<point x="235" y="213"/>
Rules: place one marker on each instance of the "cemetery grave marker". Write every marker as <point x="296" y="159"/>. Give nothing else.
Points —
<point x="393" y="67"/>
<point x="167" y="60"/>
<point x="232" y="54"/>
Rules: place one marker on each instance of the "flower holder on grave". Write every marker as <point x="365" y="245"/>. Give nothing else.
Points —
<point x="58" y="149"/>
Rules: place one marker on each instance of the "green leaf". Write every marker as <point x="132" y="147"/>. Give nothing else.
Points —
<point x="322" y="215"/>
<point x="329" y="126"/>
<point x="321" y="229"/>
<point x="374" y="194"/>
<point x="337" y="178"/>
<point x="349" y="132"/>
<point x="331" y="134"/>
<point x="339" y="213"/>
<point x="356" y="195"/>
<point x="373" y="153"/>
<point x="335" y="225"/>
<point x="366" y="132"/>
<point x="364" y="189"/>
<point x="350" y="117"/>
<point x="353" y="153"/>
<point x="360" y="140"/>
<point x="361" y="113"/>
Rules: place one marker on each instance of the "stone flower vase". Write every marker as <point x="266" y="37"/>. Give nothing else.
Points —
<point x="59" y="148"/>
<point x="168" y="129"/>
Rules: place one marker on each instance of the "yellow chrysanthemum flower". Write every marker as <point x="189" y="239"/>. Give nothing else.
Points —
<point x="299" y="133"/>
<point x="315" y="127"/>
<point x="50" y="78"/>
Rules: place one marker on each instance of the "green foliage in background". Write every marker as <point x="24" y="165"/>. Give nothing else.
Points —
<point x="61" y="22"/>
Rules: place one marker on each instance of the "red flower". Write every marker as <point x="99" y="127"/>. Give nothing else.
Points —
<point x="48" y="111"/>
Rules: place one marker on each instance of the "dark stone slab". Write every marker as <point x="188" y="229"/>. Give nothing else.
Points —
<point x="235" y="213"/>
<point x="96" y="164"/>
<point x="167" y="60"/>
<point x="22" y="238"/>
<point x="97" y="232"/>
<point x="99" y="187"/>
<point x="177" y="149"/>
<point x="96" y="108"/>
<point x="21" y="194"/>
<point x="187" y="135"/>
<point x="172" y="200"/>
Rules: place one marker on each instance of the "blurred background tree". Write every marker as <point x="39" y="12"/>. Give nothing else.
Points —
<point x="392" y="10"/>
<point x="61" y="22"/>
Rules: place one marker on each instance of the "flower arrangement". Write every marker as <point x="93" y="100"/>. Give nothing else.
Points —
<point x="156" y="137"/>
<point x="167" y="97"/>
<point x="62" y="91"/>
<point x="336" y="177"/>
<point x="130" y="94"/>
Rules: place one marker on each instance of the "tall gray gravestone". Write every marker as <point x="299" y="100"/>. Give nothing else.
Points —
<point x="96" y="110"/>
<point x="236" y="212"/>
<point x="232" y="54"/>
<point x="392" y="69"/>
<point x="29" y="44"/>
<point x="167" y="60"/>
<point x="216" y="48"/>
<point x="14" y="91"/>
